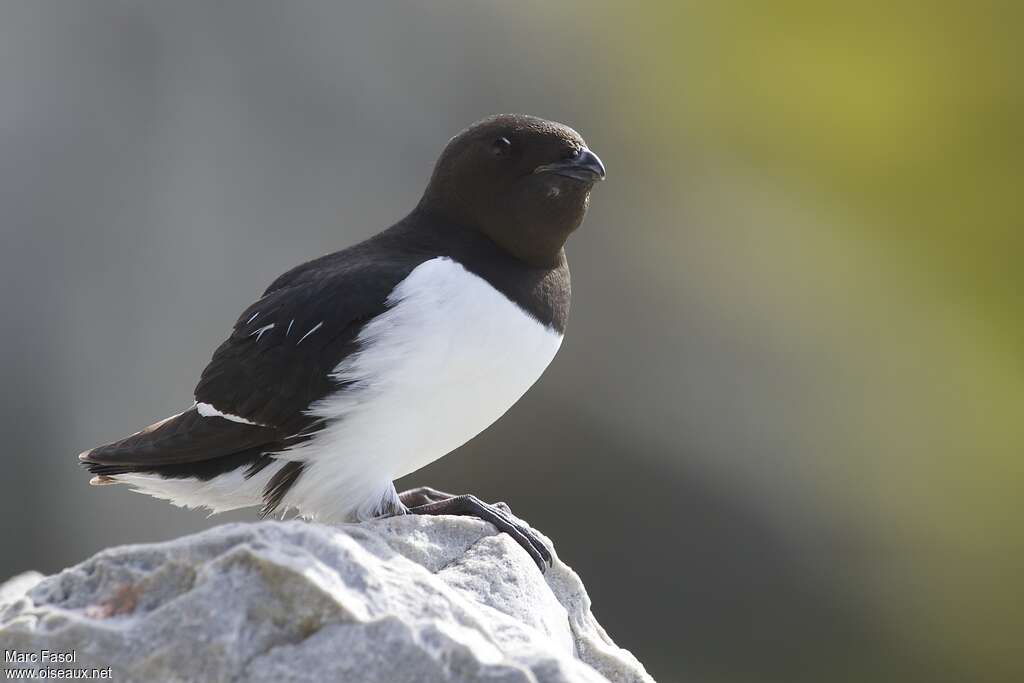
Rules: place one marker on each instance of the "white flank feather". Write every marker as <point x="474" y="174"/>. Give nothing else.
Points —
<point x="445" y="361"/>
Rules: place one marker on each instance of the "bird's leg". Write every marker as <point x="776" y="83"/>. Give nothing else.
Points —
<point x="421" y="495"/>
<point x="427" y="501"/>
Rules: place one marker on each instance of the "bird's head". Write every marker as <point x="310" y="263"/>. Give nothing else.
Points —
<point x="522" y="181"/>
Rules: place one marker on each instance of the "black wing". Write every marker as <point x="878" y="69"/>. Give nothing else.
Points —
<point x="280" y="356"/>
<point x="187" y="437"/>
<point x="276" y="363"/>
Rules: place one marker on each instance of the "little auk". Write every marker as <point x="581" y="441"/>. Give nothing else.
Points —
<point x="364" y="365"/>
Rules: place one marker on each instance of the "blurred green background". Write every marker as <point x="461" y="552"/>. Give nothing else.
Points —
<point x="782" y="441"/>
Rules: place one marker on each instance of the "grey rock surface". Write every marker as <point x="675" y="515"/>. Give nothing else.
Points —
<point x="403" y="599"/>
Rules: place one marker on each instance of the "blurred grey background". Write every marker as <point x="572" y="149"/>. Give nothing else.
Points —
<point x="754" y="444"/>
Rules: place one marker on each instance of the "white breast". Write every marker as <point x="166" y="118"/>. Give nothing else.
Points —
<point x="446" y="360"/>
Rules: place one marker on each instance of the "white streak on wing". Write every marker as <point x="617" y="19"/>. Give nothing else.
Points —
<point x="207" y="410"/>
<point x="252" y="318"/>
<point x="448" y="358"/>
<point x="289" y="330"/>
<point x="259" y="332"/>
<point x="315" y="328"/>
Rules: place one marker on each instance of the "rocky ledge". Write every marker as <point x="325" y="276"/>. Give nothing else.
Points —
<point x="403" y="599"/>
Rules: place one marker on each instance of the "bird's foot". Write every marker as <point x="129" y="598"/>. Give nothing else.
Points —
<point x="422" y="495"/>
<point x="427" y="501"/>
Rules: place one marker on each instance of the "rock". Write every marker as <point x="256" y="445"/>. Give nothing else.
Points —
<point x="409" y="598"/>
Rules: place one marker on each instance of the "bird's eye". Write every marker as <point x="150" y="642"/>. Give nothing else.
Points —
<point x="574" y="153"/>
<point x="501" y="147"/>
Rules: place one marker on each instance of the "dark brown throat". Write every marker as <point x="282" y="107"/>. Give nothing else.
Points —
<point x="534" y="232"/>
